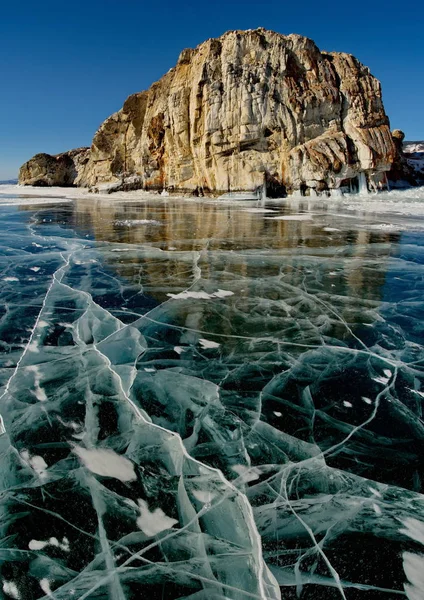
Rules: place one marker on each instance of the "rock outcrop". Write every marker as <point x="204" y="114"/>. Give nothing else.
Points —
<point x="60" y="169"/>
<point x="408" y="167"/>
<point x="238" y="110"/>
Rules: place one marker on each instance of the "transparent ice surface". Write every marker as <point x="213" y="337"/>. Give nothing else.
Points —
<point x="214" y="402"/>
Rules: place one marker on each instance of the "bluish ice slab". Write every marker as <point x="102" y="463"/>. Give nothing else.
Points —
<point x="210" y="400"/>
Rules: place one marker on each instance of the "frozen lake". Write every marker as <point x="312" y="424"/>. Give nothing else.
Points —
<point x="211" y="400"/>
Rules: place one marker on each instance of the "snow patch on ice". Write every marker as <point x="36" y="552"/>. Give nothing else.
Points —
<point x="414" y="529"/>
<point x="246" y="474"/>
<point x="204" y="496"/>
<point x="40" y="394"/>
<point x="208" y="343"/>
<point x="132" y="222"/>
<point x="45" y="586"/>
<point x="201" y="295"/>
<point x="383" y="226"/>
<point x="11" y="589"/>
<point x="37" y="463"/>
<point x="53" y="541"/>
<point x="380" y="379"/>
<point x="413" y="565"/>
<point x="299" y="217"/>
<point x="84" y="262"/>
<point x="377" y="509"/>
<point x="152" y="523"/>
<point x="223" y="293"/>
<point x="106" y="463"/>
<point x="258" y="210"/>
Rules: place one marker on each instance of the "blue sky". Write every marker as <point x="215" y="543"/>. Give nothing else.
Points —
<point x="66" y="66"/>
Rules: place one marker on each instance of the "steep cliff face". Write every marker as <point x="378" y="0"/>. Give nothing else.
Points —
<point x="249" y="106"/>
<point x="60" y="169"/>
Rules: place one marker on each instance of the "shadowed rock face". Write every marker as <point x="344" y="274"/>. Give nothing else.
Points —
<point x="47" y="170"/>
<point x="247" y="106"/>
<point x="407" y="168"/>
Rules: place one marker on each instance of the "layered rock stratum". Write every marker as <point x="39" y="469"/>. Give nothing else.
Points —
<point x="235" y="111"/>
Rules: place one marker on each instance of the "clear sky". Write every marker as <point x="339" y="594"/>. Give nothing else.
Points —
<point x="66" y="66"/>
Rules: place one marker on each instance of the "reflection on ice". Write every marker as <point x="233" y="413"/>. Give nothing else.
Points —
<point x="225" y="406"/>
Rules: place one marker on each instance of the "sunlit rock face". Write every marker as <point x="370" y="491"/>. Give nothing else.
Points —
<point x="247" y="107"/>
<point x="60" y="169"/>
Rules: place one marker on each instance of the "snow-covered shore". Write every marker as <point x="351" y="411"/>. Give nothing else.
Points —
<point x="396" y="204"/>
<point x="69" y="193"/>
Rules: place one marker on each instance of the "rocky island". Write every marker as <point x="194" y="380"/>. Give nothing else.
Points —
<point x="237" y="111"/>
